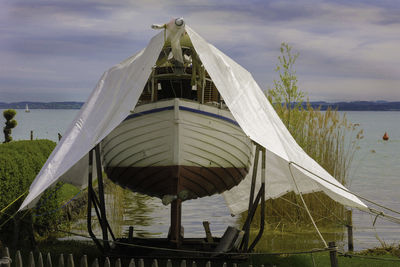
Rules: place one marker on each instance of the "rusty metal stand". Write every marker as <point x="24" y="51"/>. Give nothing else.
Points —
<point x="98" y="203"/>
<point x="253" y="204"/>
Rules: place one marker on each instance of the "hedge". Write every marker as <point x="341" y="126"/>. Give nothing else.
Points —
<point x="20" y="162"/>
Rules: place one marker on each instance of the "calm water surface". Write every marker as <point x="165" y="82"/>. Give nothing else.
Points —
<point x="375" y="174"/>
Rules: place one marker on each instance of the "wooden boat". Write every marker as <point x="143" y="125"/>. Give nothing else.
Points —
<point x="180" y="140"/>
<point x="177" y="147"/>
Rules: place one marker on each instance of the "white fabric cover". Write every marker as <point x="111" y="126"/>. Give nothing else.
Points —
<point x="260" y="122"/>
<point x="115" y="95"/>
<point x="118" y="92"/>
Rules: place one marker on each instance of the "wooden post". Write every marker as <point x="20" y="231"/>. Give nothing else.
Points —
<point x="18" y="259"/>
<point x="209" y="237"/>
<point x="130" y="234"/>
<point x="31" y="135"/>
<point x="169" y="263"/>
<point x="118" y="263"/>
<point x="349" y="226"/>
<point x="95" y="263"/>
<point x="6" y="259"/>
<point x="132" y="263"/>
<point x="333" y="254"/>
<point x="107" y="262"/>
<point x="208" y="264"/>
<point x="70" y="261"/>
<point x="155" y="263"/>
<point x="40" y="260"/>
<point x="194" y="264"/>
<point x="176" y="216"/>
<point x="31" y="260"/>
<point x="61" y="260"/>
<point x="48" y="260"/>
<point x="84" y="262"/>
<point x="141" y="263"/>
<point x="183" y="263"/>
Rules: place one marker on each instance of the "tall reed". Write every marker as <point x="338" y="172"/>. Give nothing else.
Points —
<point x="331" y="140"/>
<point x="326" y="136"/>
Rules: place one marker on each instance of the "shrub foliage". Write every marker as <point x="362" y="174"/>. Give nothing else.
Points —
<point x="20" y="162"/>
<point x="9" y="114"/>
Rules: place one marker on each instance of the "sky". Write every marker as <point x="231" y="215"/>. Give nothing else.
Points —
<point x="57" y="50"/>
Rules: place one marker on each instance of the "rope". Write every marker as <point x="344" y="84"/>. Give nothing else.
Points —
<point x="315" y="250"/>
<point x="49" y="196"/>
<point x="350" y="255"/>
<point x="12" y="202"/>
<point x="344" y="189"/>
<point x="55" y="210"/>
<point x="11" y="217"/>
<point x="308" y="211"/>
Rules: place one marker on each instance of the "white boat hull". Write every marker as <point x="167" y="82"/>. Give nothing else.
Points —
<point x="170" y="146"/>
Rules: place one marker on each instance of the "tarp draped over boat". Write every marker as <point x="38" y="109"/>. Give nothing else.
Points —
<point x="118" y="92"/>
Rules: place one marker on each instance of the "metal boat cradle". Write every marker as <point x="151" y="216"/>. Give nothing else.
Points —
<point x="179" y="143"/>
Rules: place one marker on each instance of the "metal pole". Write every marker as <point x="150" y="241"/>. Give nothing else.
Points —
<point x="90" y="199"/>
<point x="101" y="198"/>
<point x="253" y="179"/>
<point x="262" y="192"/>
<point x="250" y="212"/>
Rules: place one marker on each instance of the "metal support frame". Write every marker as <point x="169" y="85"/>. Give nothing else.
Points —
<point x="253" y="204"/>
<point x="98" y="203"/>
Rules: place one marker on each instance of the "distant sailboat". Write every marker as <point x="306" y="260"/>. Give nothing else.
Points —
<point x="27" y="108"/>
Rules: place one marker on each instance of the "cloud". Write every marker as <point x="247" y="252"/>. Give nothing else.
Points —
<point x="54" y="45"/>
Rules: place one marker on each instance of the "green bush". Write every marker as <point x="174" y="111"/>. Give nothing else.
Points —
<point x="9" y="114"/>
<point x="20" y="162"/>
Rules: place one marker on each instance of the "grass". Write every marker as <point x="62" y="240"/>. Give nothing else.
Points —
<point x="322" y="259"/>
<point x="79" y="248"/>
<point x="67" y="191"/>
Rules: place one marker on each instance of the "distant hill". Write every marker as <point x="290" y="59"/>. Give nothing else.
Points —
<point x="346" y="106"/>
<point x="358" y="105"/>
<point x="42" y="105"/>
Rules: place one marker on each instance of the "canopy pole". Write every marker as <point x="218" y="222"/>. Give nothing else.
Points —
<point x="262" y="192"/>
<point x="253" y="204"/>
<point x="308" y="211"/>
<point x="98" y="203"/>
<point x="102" y="205"/>
<point x="89" y="205"/>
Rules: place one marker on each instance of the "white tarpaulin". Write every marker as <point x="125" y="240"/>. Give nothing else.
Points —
<point x="118" y="92"/>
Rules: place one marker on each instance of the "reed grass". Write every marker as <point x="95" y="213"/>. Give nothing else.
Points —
<point x="326" y="136"/>
<point x="331" y="140"/>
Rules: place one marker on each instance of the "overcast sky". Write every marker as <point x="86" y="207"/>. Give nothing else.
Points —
<point x="57" y="50"/>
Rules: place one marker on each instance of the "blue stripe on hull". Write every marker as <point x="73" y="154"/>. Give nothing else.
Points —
<point x="135" y="115"/>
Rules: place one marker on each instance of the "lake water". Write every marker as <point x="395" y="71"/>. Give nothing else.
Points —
<point x="375" y="174"/>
